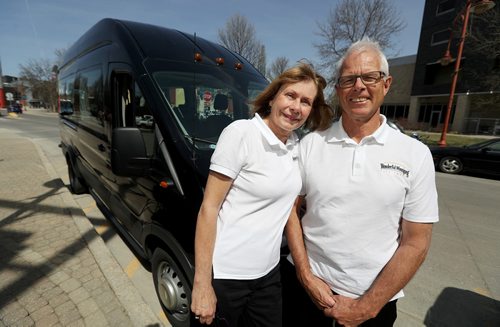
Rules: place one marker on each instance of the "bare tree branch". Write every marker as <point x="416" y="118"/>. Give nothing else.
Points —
<point x="278" y="66"/>
<point x="239" y="36"/>
<point x="485" y="39"/>
<point x="41" y="79"/>
<point x="350" y="21"/>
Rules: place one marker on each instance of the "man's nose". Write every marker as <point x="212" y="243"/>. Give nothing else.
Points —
<point x="358" y="83"/>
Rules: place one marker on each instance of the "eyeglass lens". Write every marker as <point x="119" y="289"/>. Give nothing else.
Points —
<point x="367" y="79"/>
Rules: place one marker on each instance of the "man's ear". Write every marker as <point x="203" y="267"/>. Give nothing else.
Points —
<point x="387" y="84"/>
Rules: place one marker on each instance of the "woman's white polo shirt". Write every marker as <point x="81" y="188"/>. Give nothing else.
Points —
<point x="266" y="181"/>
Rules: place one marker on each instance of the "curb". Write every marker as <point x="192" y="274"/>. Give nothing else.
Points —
<point x="138" y="311"/>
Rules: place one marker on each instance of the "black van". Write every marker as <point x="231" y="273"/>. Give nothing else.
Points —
<point x="141" y="109"/>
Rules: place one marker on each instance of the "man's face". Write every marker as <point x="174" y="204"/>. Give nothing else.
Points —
<point x="361" y="102"/>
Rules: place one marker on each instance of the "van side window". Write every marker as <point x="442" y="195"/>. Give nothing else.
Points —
<point x="90" y="97"/>
<point x="65" y="86"/>
<point x="144" y="120"/>
<point x="122" y="100"/>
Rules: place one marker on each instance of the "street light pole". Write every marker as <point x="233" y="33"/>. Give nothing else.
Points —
<point x="481" y="6"/>
<point x="442" y="141"/>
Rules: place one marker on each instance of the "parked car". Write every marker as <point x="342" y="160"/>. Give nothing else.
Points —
<point x="16" y="107"/>
<point x="482" y="157"/>
<point x="144" y="121"/>
<point x="400" y="128"/>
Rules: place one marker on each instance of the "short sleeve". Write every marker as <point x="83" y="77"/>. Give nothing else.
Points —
<point x="421" y="203"/>
<point x="231" y="150"/>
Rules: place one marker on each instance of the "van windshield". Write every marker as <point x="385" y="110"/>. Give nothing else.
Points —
<point x="205" y="101"/>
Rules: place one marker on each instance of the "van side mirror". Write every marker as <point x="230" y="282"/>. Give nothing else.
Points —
<point x="128" y="152"/>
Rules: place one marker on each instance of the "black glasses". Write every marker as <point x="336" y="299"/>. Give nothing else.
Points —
<point x="369" y="78"/>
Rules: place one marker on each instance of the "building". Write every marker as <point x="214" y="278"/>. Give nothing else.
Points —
<point x="20" y="91"/>
<point x="476" y="109"/>
<point x="397" y="102"/>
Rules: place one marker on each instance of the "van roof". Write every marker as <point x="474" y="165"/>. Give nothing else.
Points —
<point x="152" y="41"/>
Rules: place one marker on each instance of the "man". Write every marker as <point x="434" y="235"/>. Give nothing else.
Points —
<point x="371" y="202"/>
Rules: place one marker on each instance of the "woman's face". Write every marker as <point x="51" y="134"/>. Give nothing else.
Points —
<point x="290" y="107"/>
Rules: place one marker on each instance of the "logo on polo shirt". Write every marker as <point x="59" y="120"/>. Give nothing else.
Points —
<point x="395" y="168"/>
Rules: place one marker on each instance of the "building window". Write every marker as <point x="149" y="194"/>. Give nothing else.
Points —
<point x="496" y="64"/>
<point x="445" y="6"/>
<point x="440" y="37"/>
<point x="434" y="114"/>
<point x="395" y="111"/>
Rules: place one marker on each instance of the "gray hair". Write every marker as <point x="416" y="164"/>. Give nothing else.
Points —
<point x="362" y="45"/>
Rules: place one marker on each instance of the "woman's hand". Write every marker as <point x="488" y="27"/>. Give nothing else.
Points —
<point x="319" y="291"/>
<point x="204" y="303"/>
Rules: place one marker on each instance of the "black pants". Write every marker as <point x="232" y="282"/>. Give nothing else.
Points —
<point x="249" y="303"/>
<point x="299" y="310"/>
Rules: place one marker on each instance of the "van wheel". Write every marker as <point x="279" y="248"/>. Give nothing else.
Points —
<point x="172" y="288"/>
<point x="76" y="185"/>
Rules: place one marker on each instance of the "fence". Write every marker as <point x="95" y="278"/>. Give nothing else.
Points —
<point x="482" y="126"/>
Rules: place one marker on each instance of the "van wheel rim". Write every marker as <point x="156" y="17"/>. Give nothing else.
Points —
<point x="171" y="290"/>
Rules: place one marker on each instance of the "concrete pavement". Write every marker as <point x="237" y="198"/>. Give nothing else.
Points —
<point x="459" y="283"/>
<point x="54" y="268"/>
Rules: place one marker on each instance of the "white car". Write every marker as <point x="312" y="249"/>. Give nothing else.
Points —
<point x="144" y="121"/>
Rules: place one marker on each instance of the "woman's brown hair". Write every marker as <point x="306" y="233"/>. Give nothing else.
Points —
<point x="321" y="115"/>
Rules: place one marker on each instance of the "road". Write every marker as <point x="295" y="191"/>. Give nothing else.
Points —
<point x="458" y="285"/>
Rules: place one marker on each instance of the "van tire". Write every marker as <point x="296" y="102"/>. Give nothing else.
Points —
<point x="76" y="185"/>
<point x="172" y="289"/>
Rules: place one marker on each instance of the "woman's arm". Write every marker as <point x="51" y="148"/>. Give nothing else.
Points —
<point x="203" y="296"/>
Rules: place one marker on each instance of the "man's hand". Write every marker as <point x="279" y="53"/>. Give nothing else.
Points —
<point x="319" y="291"/>
<point x="349" y="312"/>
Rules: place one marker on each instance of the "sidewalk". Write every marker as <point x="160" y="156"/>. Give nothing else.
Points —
<point x="54" y="269"/>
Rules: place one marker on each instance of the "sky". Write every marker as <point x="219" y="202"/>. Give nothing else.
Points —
<point x="34" y="29"/>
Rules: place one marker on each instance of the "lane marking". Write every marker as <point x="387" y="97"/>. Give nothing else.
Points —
<point x="482" y="291"/>
<point x="101" y="229"/>
<point x="132" y="267"/>
<point x="164" y="318"/>
<point x="89" y="208"/>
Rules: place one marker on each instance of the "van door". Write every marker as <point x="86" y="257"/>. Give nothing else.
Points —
<point x="90" y="117"/>
<point x="133" y="202"/>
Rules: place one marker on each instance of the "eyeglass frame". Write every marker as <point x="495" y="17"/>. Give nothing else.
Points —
<point x="382" y="75"/>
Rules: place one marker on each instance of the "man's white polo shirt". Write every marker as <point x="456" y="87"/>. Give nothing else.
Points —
<point x="266" y="182"/>
<point x="356" y="195"/>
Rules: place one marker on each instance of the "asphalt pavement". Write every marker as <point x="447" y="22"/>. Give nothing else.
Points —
<point x="56" y="270"/>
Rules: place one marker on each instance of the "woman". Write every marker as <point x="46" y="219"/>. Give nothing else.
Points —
<point x="252" y="184"/>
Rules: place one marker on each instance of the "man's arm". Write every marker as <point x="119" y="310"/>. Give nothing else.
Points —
<point x="317" y="289"/>
<point x="413" y="248"/>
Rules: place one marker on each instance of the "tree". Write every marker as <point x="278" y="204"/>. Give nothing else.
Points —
<point x="40" y="75"/>
<point x="278" y="66"/>
<point x="239" y="36"/>
<point x="350" y="21"/>
<point x="484" y="39"/>
<point x="261" y="62"/>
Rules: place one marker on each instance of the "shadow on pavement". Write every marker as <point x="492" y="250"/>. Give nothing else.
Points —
<point x="460" y="308"/>
<point x="14" y="242"/>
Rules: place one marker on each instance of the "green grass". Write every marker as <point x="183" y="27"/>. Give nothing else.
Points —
<point x="451" y="139"/>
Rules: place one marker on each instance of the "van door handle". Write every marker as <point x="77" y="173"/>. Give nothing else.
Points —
<point x="101" y="147"/>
